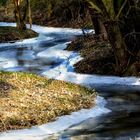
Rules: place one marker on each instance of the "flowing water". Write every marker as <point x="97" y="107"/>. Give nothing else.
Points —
<point x="123" y="123"/>
<point x="116" y="116"/>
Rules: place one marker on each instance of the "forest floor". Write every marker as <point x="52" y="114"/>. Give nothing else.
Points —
<point x="27" y="100"/>
<point x="8" y="34"/>
<point x="98" y="57"/>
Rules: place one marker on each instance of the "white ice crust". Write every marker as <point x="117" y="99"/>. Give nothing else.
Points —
<point x="65" y="72"/>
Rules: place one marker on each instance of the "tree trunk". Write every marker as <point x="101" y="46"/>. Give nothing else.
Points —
<point x="19" y="21"/>
<point x="98" y="25"/>
<point x="118" y="44"/>
<point x="97" y="22"/>
<point x="27" y="13"/>
<point x="21" y="18"/>
<point x="30" y="15"/>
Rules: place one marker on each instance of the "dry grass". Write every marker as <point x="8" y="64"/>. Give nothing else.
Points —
<point x="28" y="99"/>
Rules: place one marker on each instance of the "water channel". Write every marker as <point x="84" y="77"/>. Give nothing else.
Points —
<point x="119" y="98"/>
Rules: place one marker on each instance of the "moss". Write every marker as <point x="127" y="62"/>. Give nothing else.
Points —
<point x="12" y="34"/>
<point x="27" y="99"/>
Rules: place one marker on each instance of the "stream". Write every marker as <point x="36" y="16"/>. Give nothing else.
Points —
<point x="116" y="115"/>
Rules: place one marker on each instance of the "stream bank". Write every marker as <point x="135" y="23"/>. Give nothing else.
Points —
<point x="98" y="57"/>
<point x="37" y="55"/>
<point x="123" y="123"/>
<point x="12" y="34"/>
<point x="28" y="100"/>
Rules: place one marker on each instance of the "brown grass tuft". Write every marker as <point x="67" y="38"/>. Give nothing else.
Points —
<point x="27" y="100"/>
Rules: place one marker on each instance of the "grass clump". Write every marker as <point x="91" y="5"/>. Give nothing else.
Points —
<point x="8" y="34"/>
<point x="27" y="99"/>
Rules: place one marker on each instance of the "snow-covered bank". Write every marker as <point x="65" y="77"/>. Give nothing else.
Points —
<point x="102" y="83"/>
<point x="55" y="54"/>
<point x="43" y="131"/>
<point x="62" y="69"/>
<point x="50" y="30"/>
<point x="45" y="34"/>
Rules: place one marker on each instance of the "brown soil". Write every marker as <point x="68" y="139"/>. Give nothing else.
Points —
<point x="98" y="57"/>
<point x="97" y="54"/>
<point x="8" y="34"/>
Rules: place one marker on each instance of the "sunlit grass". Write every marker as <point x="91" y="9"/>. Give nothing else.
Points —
<point x="27" y="100"/>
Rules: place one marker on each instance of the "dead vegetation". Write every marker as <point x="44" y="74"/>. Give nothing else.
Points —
<point x="97" y="54"/>
<point x="27" y="100"/>
<point x="8" y="34"/>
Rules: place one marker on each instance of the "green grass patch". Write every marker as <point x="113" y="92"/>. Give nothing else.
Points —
<point x="27" y="99"/>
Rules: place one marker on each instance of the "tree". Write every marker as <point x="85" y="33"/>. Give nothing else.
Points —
<point x="96" y="21"/>
<point x="112" y="14"/>
<point x="22" y="14"/>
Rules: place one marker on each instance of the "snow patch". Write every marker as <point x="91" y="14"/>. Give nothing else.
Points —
<point x="63" y="71"/>
<point x="62" y="123"/>
<point x="54" y="54"/>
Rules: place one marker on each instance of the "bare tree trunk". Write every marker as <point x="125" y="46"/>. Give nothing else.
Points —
<point x="98" y="25"/>
<point x="19" y="20"/>
<point x="118" y="44"/>
<point x="28" y="12"/>
<point x="97" y="22"/>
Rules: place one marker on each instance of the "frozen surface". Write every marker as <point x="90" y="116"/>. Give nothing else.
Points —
<point x="60" y="124"/>
<point x="46" y="56"/>
<point x="96" y="80"/>
<point x="55" y="54"/>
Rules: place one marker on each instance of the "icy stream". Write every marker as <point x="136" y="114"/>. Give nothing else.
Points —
<point x="45" y="55"/>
